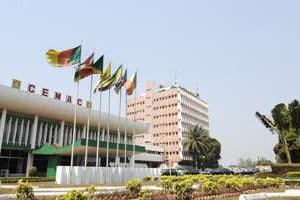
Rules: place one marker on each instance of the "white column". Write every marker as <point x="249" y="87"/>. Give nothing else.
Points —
<point x="33" y="132"/>
<point x="70" y="136"/>
<point x="15" y="131"/>
<point x="29" y="163"/>
<point x="61" y="133"/>
<point x="27" y="132"/>
<point x="2" y="126"/>
<point x="45" y="133"/>
<point x="103" y="134"/>
<point x="21" y="131"/>
<point x="50" y="134"/>
<point x="66" y="136"/>
<point x="8" y="131"/>
<point x="78" y="134"/>
<point x="40" y="134"/>
<point x="84" y="130"/>
<point x="55" y="135"/>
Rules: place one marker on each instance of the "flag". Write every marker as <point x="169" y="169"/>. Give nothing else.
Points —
<point x="64" y="58"/>
<point x="130" y="84"/>
<point x="85" y="69"/>
<point x="106" y="73"/>
<point x="111" y="81"/>
<point x="98" y="66"/>
<point x="103" y="76"/>
<point x="121" y="82"/>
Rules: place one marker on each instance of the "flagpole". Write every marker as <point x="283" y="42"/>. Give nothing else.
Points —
<point x="118" y="137"/>
<point x="108" y="133"/>
<point x="125" y="134"/>
<point x="88" y="125"/>
<point x="74" y="125"/>
<point x="99" y="129"/>
<point x="133" y="139"/>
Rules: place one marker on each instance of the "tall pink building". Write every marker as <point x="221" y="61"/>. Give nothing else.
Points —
<point x="170" y="111"/>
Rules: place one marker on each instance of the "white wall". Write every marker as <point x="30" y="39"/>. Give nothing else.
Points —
<point x="101" y="175"/>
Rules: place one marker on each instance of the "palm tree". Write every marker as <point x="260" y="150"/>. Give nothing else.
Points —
<point x="281" y="124"/>
<point x="194" y="142"/>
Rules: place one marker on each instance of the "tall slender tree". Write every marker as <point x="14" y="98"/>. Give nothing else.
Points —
<point x="194" y="144"/>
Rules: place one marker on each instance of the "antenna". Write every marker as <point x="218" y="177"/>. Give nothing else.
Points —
<point x="197" y="91"/>
<point x="175" y="81"/>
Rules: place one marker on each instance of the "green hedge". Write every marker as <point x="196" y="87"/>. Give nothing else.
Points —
<point x="282" y="169"/>
<point x="29" y="179"/>
<point x="293" y="174"/>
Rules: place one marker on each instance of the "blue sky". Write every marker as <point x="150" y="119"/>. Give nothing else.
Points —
<point x="243" y="55"/>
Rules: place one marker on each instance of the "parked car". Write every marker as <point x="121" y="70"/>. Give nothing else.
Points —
<point x="172" y="172"/>
<point x="191" y="171"/>
<point x="221" y="171"/>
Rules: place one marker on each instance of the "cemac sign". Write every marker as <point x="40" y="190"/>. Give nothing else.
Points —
<point x="31" y="88"/>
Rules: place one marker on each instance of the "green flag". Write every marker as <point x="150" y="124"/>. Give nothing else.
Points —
<point x="111" y="81"/>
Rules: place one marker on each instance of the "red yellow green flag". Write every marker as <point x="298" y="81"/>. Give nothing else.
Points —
<point x="64" y="58"/>
<point x="85" y="69"/>
<point x="130" y="84"/>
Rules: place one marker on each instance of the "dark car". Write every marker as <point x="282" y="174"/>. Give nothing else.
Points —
<point x="191" y="171"/>
<point x="172" y="172"/>
<point x="221" y="171"/>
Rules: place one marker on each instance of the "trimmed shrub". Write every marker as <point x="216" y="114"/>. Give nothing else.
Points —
<point x="32" y="171"/>
<point x="72" y="195"/>
<point x="156" y="178"/>
<point x="133" y="185"/>
<point x="248" y="183"/>
<point x="233" y="183"/>
<point x="184" y="189"/>
<point x="147" y="178"/>
<point x="293" y="174"/>
<point x="24" y="191"/>
<point x="166" y="184"/>
<point x="282" y="169"/>
<point x="209" y="187"/>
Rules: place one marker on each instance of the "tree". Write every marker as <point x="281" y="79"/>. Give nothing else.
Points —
<point x="194" y="142"/>
<point x="212" y="155"/>
<point x="202" y="147"/>
<point x="285" y="123"/>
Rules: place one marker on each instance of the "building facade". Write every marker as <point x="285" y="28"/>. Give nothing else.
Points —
<point x="170" y="111"/>
<point x="36" y="130"/>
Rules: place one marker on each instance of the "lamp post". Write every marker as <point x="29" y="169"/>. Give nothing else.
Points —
<point x="202" y="162"/>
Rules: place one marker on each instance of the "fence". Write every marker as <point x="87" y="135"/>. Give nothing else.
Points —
<point x="101" y="175"/>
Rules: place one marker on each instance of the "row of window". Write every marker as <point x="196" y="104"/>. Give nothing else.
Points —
<point x="166" y="143"/>
<point x="165" y="98"/>
<point x="172" y="153"/>
<point x="136" y="112"/>
<point x="137" y="103"/>
<point x="165" y="115"/>
<point x="165" y="106"/>
<point x="165" y="125"/>
<point x="193" y="103"/>
<point x="165" y="134"/>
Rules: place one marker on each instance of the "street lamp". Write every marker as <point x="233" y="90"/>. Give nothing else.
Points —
<point x="202" y="162"/>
